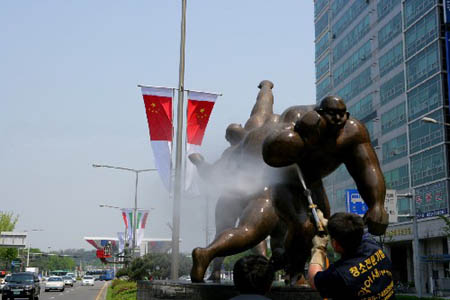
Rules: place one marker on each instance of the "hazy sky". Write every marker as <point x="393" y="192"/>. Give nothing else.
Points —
<point x="68" y="76"/>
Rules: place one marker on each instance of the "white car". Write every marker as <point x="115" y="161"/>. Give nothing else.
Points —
<point x="88" y="280"/>
<point x="54" y="283"/>
<point x="73" y="276"/>
<point x="68" y="280"/>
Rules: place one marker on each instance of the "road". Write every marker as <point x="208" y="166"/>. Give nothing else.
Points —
<point x="77" y="292"/>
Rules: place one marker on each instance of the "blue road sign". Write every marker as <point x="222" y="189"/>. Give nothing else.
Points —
<point x="354" y="203"/>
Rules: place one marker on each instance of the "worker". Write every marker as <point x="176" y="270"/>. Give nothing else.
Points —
<point x="363" y="272"/>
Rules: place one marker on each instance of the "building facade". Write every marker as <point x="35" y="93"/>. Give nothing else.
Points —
<point x="387" y="60"/>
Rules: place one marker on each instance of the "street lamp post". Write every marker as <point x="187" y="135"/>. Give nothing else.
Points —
<point x="416" y="256"/>
<point x="135" y="194"/>
<point x="29" y="244"/>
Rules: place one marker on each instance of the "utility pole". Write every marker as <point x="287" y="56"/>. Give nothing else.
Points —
<point x="178" y="157"/>
<point x="415" y="243"/>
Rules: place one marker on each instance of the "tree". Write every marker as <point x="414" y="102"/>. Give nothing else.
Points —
<point x="155" y="265"/>
<point x="7" y="223"/>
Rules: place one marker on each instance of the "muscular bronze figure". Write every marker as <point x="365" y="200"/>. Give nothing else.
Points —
<point x="318" y="140"/>
<point x="322" y="140"/>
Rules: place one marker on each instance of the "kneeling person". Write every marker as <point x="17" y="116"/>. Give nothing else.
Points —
<point x="363" y="272"/>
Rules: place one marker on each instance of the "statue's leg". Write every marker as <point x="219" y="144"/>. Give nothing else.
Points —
<point x="260" y="249"/>
<point x="277" y="237"/>
<point x="256" y="222"/>
<point x="227" y="212"/>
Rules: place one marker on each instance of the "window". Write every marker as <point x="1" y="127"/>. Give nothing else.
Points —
<point x="414" y="9"/>
<point x="370" y="129"/>
<point x="423" y="135"/>
<point x="319" y="5"/>
<point x="356" y="86"/>
<point x="391" y="59"/>
<point x="323" y="67"/>
<point x="390" y="31"/>
<point x="351" y="39"/>
<point x="341" y="173"/>
<point x="339" y="204"/>
<point x="428" y="165"/>
<point x="393" y="118"/>
<point x="323" y="88"/>
<point x="421" y="34"/>
<point x="362" y="108"/>
<point x="337" y="6"/>
<point x="321" y="24"/>
<point x="431" y="200"/>
<point x="394" y="149"/>
<point x="424" y="98"/>
<point x="423" y="65"/>
<point x="349" y="16"/>
<point x="384" y="7"/>
<point x="322" y="44"/>
<point x="397" y="179"/>
<point x="392" y="88"/>
<point x="352" y="63"/>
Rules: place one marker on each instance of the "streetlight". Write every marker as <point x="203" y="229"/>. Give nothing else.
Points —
<point x="416" y="256"/>
<point x="135" y="193"/>
<point x="29" y="244"/>
<point x="434" y="121"/>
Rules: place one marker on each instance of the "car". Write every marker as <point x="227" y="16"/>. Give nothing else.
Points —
<point x="88" y="280"/>
<point x="22" y="285"/>
<point x="68" y="280"/>
<point x="54" y="283"/>
<point x="73" y="276"/>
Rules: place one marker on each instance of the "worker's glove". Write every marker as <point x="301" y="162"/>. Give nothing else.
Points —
<point x="322" y="219"/>
<point x="319" y="250"/>
<point x="320" y="243"/>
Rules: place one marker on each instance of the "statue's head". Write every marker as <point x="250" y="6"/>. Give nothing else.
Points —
<point x="234" y="133"/>
<point x="334" y="111"/>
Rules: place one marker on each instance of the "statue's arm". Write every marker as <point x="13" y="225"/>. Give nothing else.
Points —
<point x="362" y="164"/>
<point x="282" y="148"/>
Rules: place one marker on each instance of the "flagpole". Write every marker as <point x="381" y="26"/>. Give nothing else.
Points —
<point x="179" y="149"/>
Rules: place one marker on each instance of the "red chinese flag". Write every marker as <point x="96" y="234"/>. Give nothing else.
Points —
<point x="158" y="106"/>
<point x="199" y="109"/>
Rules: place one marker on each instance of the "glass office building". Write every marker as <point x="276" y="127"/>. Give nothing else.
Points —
<point x="387" y="60"/>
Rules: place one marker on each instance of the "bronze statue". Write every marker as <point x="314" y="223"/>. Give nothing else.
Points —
<point x="263" y="198"/>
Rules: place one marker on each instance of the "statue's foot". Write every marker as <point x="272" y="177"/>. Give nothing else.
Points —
<point x="215" y="276"/>
<point x="200" y="263"/>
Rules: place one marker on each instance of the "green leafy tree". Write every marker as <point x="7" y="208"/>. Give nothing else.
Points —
<point x="7" y="223"/>
<point x="155" y="265"/>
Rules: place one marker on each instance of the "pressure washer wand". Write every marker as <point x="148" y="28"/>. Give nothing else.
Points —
<point x="307" y="193"/>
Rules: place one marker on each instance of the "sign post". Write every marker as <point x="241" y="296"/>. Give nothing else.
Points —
<point x="355" y="204"/>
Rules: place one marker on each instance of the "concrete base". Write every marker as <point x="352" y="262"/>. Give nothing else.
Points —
<point x="165" y="290"/>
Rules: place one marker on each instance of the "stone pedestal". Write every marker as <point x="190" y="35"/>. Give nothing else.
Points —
<point x="165" y="290"/>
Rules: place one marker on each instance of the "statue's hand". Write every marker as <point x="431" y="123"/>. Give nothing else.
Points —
<point x="197" y="159"/>
<point x="377" y="220"/>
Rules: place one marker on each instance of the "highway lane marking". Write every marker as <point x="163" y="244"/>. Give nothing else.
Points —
<point x="101" y="291"/>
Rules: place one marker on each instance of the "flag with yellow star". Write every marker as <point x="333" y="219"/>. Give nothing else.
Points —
<point x="158" y="107"/>
<point x="199" y="109"/>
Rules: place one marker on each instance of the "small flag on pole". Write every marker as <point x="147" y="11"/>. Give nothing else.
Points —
<point x="158" y="106"/>
<point x="199" y="108"/>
